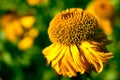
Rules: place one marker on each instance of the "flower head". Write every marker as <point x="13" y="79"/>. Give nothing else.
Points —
<point x="72" y="27"/>
<point x="76" y="46"/>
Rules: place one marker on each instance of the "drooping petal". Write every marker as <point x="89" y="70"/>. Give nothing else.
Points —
<point x="52" y="51"/>
<point x="69" y="62"/>
<point x="61" y="54"/>
<point x="63" y="70"/>
<point x="66" y="65"/>
<point x="56" y="62"/>
<point x="94" y="58"/>
<point x="77" y="59"/>
<point x="47" y="49"/>
<point x="57" y="68"/>
<point x="91" y="60"/>
<point x="109" y="55"/>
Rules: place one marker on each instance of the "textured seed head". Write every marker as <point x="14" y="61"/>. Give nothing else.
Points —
<point x="72" y="26"/>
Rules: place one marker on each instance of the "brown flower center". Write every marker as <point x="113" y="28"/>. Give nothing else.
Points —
<point x="72" y="26"/>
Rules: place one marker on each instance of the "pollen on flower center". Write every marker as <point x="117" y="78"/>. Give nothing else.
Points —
<point x="72" y="26"/>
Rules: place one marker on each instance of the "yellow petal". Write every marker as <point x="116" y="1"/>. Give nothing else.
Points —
<point x="58" y="57"/>
<point x="69" y="65"/>
<point x="53" y="52"/>
<point x="57" y="68"/>
<point x="109" y="55"/>
<point x="97" y="63"/>
<point x="48" y="49"/>
<point x="77" y="59"/>
<point x="63" y="69"/>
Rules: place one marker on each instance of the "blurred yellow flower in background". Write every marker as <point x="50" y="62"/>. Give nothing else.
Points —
<point x="28" y="39"/>
<point x="17" y="27"/>
<point x="11" y="26"/>
<point x="76" y="44"/>
<point x="10" y="34"/>
<point x="104" y="12"/>
<point x="33" y="32"/>
<point x="7" y="18"/>
<point x="25" y="43"/>
<point x="27" y="21"/>
<point x="35" y="2"/>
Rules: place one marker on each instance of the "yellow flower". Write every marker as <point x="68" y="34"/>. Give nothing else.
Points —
<point x="27" y="21"/>
<point x="104" y="12"/>
<point x="6" y="19"/>
<point x="11" y="26"/>
<point x="16" y="27"/>
<point x="28" y="39"/>
<point x="106" y="26"/>
<point x="32" y="33"/>
<point x="101" y="8"/>
<point x="76" y="46"/>
<point x="35" y="2"/>
<point x="10" y="33"/>
<point x="25" y="43"/>
<point x="13" y="30"/>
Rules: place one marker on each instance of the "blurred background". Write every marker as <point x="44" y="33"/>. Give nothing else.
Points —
<point x="23" y="36"/>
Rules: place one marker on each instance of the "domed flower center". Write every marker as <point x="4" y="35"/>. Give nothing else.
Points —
<point x="72" y="26"/>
